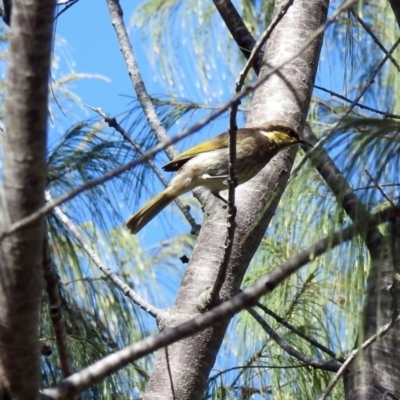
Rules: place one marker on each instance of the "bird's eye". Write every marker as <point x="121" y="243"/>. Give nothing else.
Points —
<point x="290" y="132"/>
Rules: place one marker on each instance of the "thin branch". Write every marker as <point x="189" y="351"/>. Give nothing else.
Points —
<point x="379" y="187"/>
<point x="396" y="10"/>
<point x="238" y="30"/>
<point x="307" y="360"/>
<point x="381" y="332"/>
<point x="340" y="188"/>
<point x="374" y="38"/>
<point x="52" y="281"/>
<point x="346" y="99"/>
<point x="374" y="187"/>
<point x="112" y="122"/>
<point x="326" y="137"/>
<point x="231" y="222"/>
<point x="288" y="311"/>
<point x="258" y="45"/>
<point x="119" y="283"/>
<point x="6" y="11"/>
<point x="247" y="298"/>
<point x="161" y="146"/>
<point x="300" y="333"/>
<point x="155" y="124"/>
<point x="67" y="4"/>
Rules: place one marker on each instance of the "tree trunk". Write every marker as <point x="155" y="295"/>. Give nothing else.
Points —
<point x="181" y="371"/>
<point x="374" y="374"/>
<point x="24" y="179"/>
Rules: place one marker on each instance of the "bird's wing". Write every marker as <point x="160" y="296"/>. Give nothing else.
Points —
<point x="219" y="142"/>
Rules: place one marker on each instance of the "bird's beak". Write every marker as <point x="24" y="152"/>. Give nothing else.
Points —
<point x="305" y="143"/>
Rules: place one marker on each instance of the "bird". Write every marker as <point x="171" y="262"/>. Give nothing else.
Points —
<point x="206" y="164"/>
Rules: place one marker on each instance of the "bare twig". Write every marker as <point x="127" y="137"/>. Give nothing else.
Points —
<point x="238" y="29"/>
<point x="52" y="281"/>
<point x="381" y="332"/>
<point x="117" y="171"/>
<point x="374" y="187"/>
<point x="67" y="4"/>
<point x="299" y="332"/>
<point x="363" y="106"/>
<point x="374" y="38"/>
<point x="288" y="311"/>
<point x="307" y="360"/>
<point x="119" y="283"/>
<point x="396" y="10"/>
<point x="155" y="124"/>
<point x="259" y="44"/>
<point x="112" y="122"/>
<point x="6" y="11"/>
<point x="247" y="298"/>
<point x="339" y="186"/>
<point x="379" y="187"/>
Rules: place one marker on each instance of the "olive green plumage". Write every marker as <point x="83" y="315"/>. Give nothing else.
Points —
<point x="206" y="164"/>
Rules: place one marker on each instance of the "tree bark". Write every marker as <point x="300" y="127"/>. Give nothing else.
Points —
<point x="24" y="179"/>
<point x="374" y="374"/>
<point x="181" y="371"/>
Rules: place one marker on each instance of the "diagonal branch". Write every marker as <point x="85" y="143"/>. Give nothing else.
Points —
<point x="379" y="187"/>
<point x="67" y="4"/>
<point x="241" y="35"/>
<point x="238" y="30"/>
<point x="396" y="10"/>
<point x="155" y="124"/>
<point x="247" y="298"/>
<point x="299" y="332"/>
<point x="381" y="332"/>
<point x="340" y="188"/>
<point x="119" y="283"/>
<point x="258" y="45"/>
<point x="307" y="360"/>
<point x="6" y="11"/>
<point x="360" y="105"/>
<point x="375" y="38"/>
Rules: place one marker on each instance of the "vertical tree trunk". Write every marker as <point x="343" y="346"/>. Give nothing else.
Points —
<point x="24" y="178"/>
<point x="181" y="371"/>
<point x="375" y="373"/>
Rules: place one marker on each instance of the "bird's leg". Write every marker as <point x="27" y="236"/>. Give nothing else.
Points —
<point x="218" y="196"/>
<point x="208" y="176"/>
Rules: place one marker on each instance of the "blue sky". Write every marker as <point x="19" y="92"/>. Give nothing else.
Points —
<point x="93" y="47"/>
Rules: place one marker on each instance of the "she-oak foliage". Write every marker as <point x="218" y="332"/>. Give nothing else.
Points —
<point x="324" y="300"/>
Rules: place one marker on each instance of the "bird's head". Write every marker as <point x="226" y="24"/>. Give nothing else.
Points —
<point x="281" y="133"/>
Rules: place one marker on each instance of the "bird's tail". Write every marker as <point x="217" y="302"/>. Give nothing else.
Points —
<point x="137" y="221"/>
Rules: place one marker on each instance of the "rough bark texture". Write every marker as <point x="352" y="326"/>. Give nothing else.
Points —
<point x="24" y="177"/>
<point x="375" y="373"/>
<point x="376" y="370"/>
<point x="181" y="371"/>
